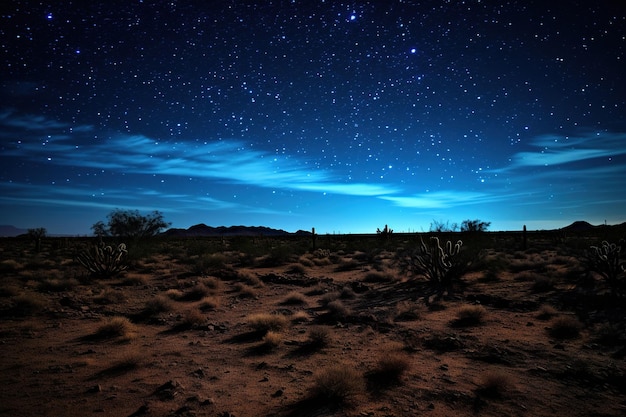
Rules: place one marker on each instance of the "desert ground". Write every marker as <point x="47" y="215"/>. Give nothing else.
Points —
<point x="256" y="326"/>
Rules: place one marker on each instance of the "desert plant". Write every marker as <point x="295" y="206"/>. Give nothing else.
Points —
<point x="36" y="235"/>
<point x="470" y="315"/>
<point x="605" y="260"/>
<point x="337" y="383"/>
<point x="300" y="317"/>
<point x="115" y="327"/>
<point x="130" y="224"/>
<point x="27" y="304"/>
<point x="337" y="310"/>
<point x="103" y="261"/>
<point x="546" y="312"/>
<point x="294" y="298"/>
<point x="264" y="322"/>
<point x="494" y="384"/>
<point x="385" y="233"/>
<point x="389" y="369"/>
<point x="474" y="226"/>
<point x="209" y="303"/>
<point x="272" y="339"/>
<point x="191" y="319"/>
<point x="435" y="262"/>
<point x="157" y="305"/>
<point x="318" y="337"/>
<point x="565" y="327"/>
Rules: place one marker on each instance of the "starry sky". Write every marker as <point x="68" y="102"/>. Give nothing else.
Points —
<point x="343" y="116"/>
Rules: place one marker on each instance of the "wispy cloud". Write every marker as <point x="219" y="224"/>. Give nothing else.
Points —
<point x="442" y="199"/>
<point x="229" y="161"/>
<point x="552" y="150"/>
<point x="30" y="122"/>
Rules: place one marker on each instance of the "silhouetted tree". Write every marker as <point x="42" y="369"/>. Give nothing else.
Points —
<point x="130" y="224"/>
<point x="36" y="235"/>
<point x="474" y="226"/>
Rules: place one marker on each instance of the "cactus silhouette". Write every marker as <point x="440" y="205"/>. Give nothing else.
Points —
<point x="435" y="261"/>
<point x="103" y="261"/>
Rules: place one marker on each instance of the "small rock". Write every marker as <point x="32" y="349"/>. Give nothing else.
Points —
<point x="278" y="393"/>
<point x="94" y="389"/>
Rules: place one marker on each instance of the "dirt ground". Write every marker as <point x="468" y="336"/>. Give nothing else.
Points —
<point x="521" y="335"/>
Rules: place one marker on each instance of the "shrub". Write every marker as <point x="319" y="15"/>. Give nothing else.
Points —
<point x="57" y="284"/>
<point x="192" y="318"/>
<point x="329" y="297"/>
<point x="294" y="298"/>
<point x="470" y="315"/>
<point x="542" y="284"/>
<point x="272" y="339"/>
<point x="338" y="383"/>
<point x="318" y="336"/>
<point x="264" y="322"/>
<point x="389" y="369"/>
<point x="197" y="292"/>
<point x="28" y="304"/>
<point x="245" y="291"/>
<point x="299" y="317"/>
<point x="337" y="310"/>
<point x="406" y="311"/>
<point x="546" y="312"/>
<point x="296" y="269"/>
<point x="157" y="305"/>
<point x="209" y="303"/>
<point x="565" y="327"/>
<point x="494" y="384"/>
<point x="115" y="327"/>
<point x="110" y="296"/>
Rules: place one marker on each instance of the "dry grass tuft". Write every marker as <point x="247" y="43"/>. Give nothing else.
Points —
<point x="174" y="294"/>
<point x="337" y="384"/>
<point x="565" y="327"/>
<point x="294" y="298"/>
<point x="157" y="305"/>
<point x="110" y="296"/>
<point x="337" y="310"/>
<point x="406" y="311"/>
<point x="115" y="327"/>
<point x="470" y="315"/>
<point x="245" y="291"/>
<point x="265" y="322"/>
<point x="191" y="319"/>
<point x="209" y="303"/>
<point x="28" y="304"/>
<point x="546" y="312"/>
<point x="319" y="337"/>
<point x="272" y="339"/>
<point x="197" y="292"/>
<point x="389" y="370"/>
<point x="57" y="284"/>
<point x="494" y="384"/>
<point x="300" y="317"/>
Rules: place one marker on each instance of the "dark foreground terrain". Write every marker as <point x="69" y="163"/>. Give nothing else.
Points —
<point x="272" y="327"/>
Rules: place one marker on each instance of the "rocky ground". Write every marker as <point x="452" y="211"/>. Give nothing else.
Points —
<point x="340" y="332"/>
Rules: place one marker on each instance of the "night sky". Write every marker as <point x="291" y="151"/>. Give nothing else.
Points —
<point x="343" y="116"/>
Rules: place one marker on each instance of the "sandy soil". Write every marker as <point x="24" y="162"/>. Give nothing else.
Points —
<point x="207" y="357"/>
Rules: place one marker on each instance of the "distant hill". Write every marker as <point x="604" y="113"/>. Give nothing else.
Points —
<point x="579" y="226"/>
<point x="204" y="230"/>
<point x="11" y="231"/>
